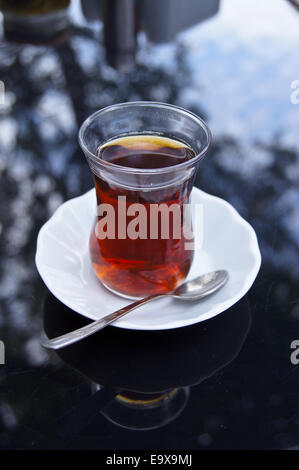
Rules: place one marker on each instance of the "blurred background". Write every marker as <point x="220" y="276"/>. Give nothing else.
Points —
<point x="233" y="63"/>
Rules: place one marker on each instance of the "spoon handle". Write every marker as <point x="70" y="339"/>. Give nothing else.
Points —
<point x="80" y="333"/>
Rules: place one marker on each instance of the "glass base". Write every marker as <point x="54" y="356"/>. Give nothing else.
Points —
<point x="120" y="294"/>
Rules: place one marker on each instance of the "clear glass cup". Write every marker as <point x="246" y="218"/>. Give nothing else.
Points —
<point x="151" y="258"/>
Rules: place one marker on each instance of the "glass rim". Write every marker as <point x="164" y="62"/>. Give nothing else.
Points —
<point x="108" y="165"/>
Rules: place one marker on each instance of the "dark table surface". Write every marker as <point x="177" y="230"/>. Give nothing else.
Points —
<point x="227" y="383"/>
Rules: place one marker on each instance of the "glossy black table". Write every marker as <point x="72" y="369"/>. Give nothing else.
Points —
<point x="227" y="383"/>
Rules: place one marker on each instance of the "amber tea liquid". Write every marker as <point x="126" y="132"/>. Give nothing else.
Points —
<point x="141" y="267"/>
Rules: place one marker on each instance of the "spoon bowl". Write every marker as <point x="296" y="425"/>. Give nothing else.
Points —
<point x="201" y="286"/>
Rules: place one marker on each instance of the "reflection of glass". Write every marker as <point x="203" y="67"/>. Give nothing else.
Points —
<point x="149" y="264"/>
<point x="34" y="20"/>
<point x="139" y="378"/>
<point x="143" y="412"/>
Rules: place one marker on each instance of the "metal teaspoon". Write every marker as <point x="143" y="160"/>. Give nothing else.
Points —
<point x="195" y="289"/>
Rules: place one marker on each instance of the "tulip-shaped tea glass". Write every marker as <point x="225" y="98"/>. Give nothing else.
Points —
<point x="144" y="157"/>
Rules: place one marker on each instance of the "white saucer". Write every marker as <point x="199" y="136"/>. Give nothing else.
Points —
<point x="62" y="259"/>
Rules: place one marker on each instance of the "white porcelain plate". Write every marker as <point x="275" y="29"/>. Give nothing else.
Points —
<point x="227" y="242"/>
